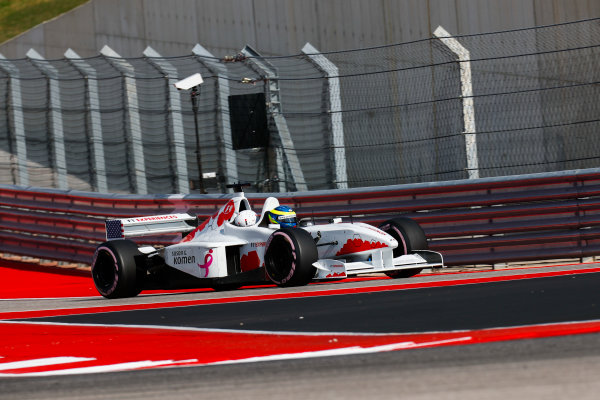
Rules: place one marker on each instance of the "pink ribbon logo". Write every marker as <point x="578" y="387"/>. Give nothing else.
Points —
<point x="208" y="259"/>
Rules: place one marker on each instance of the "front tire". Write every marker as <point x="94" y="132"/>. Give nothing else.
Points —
<point x="114" y="269"/>
<point x="289" y="255"/>
<point x="410" y="236"/>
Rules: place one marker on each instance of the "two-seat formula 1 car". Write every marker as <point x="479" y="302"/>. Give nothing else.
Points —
<point x="221" y="254"/>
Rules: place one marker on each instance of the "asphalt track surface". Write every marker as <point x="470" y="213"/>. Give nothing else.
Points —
<point x="450" y="308"/>
<point x="532" y="333"/>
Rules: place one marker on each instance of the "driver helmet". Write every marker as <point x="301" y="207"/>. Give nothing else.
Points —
<point x="245" y="218"/>
<point x="283" y="216"/>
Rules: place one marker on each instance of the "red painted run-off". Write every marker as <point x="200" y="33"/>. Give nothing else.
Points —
<point x="34" y="349"/>
<point x="28" y="281"/>
<point x="24" y="281"/>
<point x="42" y="349"/>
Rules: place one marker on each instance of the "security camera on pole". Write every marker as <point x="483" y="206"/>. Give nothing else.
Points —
<point x="192" y="83"/>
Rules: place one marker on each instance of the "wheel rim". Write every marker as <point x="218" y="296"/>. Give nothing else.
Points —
<point x="396" y="234"/>
<point x="104" y="271"/>
<point x="280" y="259"/>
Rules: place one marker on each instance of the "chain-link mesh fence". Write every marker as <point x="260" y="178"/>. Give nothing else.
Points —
<point x="534" y="95"/>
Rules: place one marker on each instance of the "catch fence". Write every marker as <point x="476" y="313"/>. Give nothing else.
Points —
<point x="446" y="108"/>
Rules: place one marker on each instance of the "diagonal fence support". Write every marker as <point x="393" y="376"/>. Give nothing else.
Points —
<point x="290" y="157"/>
<point x="464" y="60"/>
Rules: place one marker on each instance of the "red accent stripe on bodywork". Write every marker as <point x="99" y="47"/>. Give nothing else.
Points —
<point x="358" y="245"/>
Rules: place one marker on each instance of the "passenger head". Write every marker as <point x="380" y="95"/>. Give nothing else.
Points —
<point x="245" y="218"/>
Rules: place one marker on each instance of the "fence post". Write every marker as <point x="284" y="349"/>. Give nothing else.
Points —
<point x="335" y="111"/>
<point x="18" y="119"/>
<point x="93" y="95"/>
<point x="464" y="61"/>
<point x="178" y="151"/>
<point x="133" y="107"/>
<point x="51" y="73"/>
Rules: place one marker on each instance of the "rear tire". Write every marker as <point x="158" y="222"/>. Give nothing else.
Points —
<point x="410" y="237"/>
<point x="114" y="269"/>
<point x="289" y="255"/>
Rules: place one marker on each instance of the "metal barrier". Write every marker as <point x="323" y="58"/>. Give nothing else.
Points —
<point x="472" y="222"/>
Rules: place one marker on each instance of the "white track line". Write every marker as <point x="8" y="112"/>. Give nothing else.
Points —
<point x="105" y="368"/>
<point x="42" y="362"/>
<point x="51" y="298"/>
<point x="219" y="330"/>
<point x="354" y="350"/>
<point x="345" y="351"/>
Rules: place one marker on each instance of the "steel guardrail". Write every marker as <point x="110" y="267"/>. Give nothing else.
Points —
<point x="473" y="222"/>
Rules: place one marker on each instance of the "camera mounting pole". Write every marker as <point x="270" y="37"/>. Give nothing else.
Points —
<point x="194" y="93"/>
<point x="192" y="83"/>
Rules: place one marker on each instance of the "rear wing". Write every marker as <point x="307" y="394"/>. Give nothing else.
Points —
<point x="150" y="225"/>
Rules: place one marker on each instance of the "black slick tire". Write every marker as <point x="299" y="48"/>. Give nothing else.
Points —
<point x="289" y="255"/>
<point x="114" y="269"/>
<point x="410" y="237"/>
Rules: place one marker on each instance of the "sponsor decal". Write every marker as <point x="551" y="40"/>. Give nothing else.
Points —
<point x="249" y="261"/>
<point x="372" y="228"/>
<point x="358" y="245"/>
<point x="184" y="260"/>
<point x="208" y="259"/>
<point x="152" y="218"/>
<point x="258" y="244"/>
<point x="227" y="213"/>
<point x="181" y="257"/>
<point x="334" y="274"/>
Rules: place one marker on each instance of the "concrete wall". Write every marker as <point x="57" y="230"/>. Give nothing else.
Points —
<point x="279" y="27"/>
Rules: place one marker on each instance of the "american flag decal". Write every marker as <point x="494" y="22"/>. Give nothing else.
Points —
<point x="114" y="229"/>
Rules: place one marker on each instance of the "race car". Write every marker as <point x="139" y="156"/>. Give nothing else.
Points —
<point x="237" y="247"/>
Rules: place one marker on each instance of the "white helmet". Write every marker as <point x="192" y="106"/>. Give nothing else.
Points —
<point x="245" y="218"/>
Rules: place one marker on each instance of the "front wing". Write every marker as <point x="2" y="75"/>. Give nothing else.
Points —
<point x="381" y="261"/>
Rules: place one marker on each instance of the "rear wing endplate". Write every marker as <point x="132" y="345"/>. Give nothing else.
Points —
<point x="150" y="225"/>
